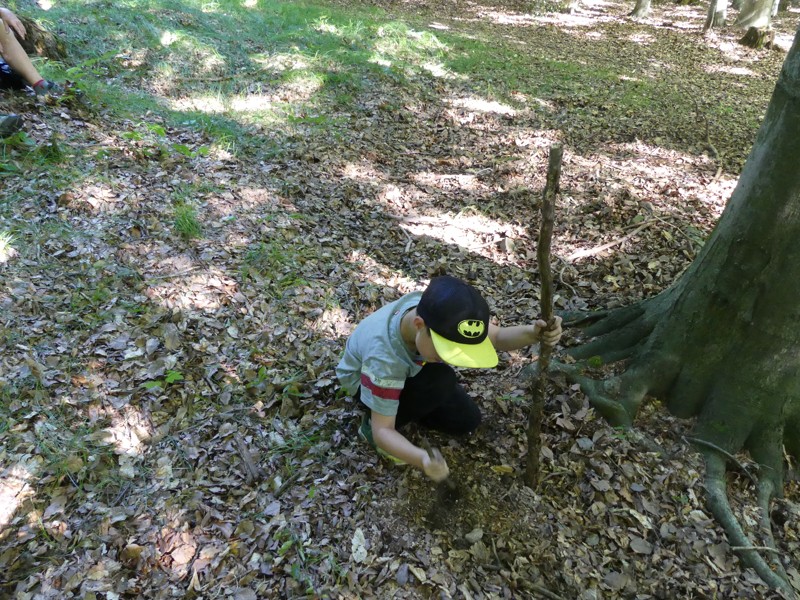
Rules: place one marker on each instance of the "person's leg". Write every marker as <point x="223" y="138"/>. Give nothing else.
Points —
<point x="435" y="399"/>
<point x="17" y="59"/>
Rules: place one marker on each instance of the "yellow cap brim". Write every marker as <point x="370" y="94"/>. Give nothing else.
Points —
<point x="473" y="356"/>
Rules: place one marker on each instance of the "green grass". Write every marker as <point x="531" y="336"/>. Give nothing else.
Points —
<point x="186" y="222"/>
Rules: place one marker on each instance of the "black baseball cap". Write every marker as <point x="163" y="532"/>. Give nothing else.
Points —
<point x="458" y="318"/>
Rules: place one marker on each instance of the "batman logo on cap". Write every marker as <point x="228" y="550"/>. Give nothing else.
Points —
<point x="471" y="328"/>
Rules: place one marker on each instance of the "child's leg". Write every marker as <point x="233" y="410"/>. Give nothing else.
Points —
<point x="9" y="79"/>
<point x="457" y="415"/>
<point x="435" y="399"/>
<point x="16" y="58"/>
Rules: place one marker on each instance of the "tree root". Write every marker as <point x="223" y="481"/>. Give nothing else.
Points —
<point x="621" y="340"/>
<point x="618" y="333"/>
<point x="766" y="491"/>
<point x="604" y="321"/>
<point x="600" y="394"/>
<point x="721" y="509"/>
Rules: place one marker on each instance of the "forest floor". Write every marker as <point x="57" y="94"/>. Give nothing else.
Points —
<point x="172" y="307"/>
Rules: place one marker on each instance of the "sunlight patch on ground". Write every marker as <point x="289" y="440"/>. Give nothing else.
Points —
<point x="205" y="104"/>
<point x="483" y="106"/>
<point x="645" y="39"/>
<point x="168" y="38"/>
<point x="378" y="273"/>
<point x="377" y="60"/>
<point x="576" y="21"/>
<point x="255" y="103"/>
<point x="440" y="26"/>
<point x="281" y="62"/>
<point x="662" y="168"/>
<point x="363" y="171"/>
<point x="323" y="26"/>
<point x="129" y="431"/>
<point x="439" y="70"/>
<point x="463" y="181"/>
<point x="502" y="18"/>
<point x="743" y="71"/>
<point x="468" y="229"/>
<point x="101" y="197"/>
<point x="14" y="488"/>
<point x="7" y="250"/>
<point x="190" y="289"/>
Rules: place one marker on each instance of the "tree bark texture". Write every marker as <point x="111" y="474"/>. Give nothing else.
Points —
<point x="641" y="10"/>
<point x="539" y="390"/>
<point x="755" y="13"/>
<point x="717" y="14"/>
<point x="723" y="343"/>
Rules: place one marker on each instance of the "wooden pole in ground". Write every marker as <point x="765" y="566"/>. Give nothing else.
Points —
<point x="546" y="282"/>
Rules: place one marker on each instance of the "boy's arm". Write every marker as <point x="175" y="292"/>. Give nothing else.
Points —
<point x="520" y="336"/>
<point x="395" y="443"/>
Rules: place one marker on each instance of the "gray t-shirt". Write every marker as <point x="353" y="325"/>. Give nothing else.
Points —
<point x="376" y="358"/>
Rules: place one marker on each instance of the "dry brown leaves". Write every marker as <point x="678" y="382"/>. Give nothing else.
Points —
<point x="173" y="426"/>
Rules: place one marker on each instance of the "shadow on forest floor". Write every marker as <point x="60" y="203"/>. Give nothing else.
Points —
<point x="183" y="259"/>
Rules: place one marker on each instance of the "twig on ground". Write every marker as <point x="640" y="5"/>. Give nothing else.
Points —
<point x="730" y="456"/>
<point x="593" y="251"/>
<point x="252" y="472"/>
<point x="287" y="484"/>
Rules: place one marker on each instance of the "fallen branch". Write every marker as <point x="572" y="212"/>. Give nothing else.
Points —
<point x="593" y="251"/>
<point x="730" y="456"/>
<point x="543" y="258"/>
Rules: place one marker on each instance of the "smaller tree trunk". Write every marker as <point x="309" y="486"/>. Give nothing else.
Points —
<point x="641" y="10"/>
<point x="755" y="13"/>
<point x="758" y="38"/>
<point x="717" y="14"/>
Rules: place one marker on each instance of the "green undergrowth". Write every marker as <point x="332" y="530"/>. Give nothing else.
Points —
<point x="251" y="76"/>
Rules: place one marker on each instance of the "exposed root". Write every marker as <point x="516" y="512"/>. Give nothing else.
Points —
<point x="708" y="445"/>
<point x="604" y="321"/>
<point x="721" y="509"/>
<point x="766" y="491"/>
<point x="620" y="340"/>
<point x="581" y="318"/>
<point x="600" y="394"/>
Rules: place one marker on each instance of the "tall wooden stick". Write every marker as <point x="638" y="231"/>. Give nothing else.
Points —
<point x="543" y="258"/>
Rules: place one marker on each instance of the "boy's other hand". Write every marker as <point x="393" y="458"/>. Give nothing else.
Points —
<point x="434" y="465"/>
<point x="548" y="337"/>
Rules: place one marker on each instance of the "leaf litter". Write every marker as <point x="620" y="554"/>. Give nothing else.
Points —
<point x="172" y="426"/>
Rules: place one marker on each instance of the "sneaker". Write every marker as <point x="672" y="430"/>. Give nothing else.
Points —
<point x="365" y="433"/>
<point x="47" y="88"/>
<point x="9" y="125"/>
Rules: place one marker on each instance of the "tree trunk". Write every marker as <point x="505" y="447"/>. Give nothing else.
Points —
<point x="758" y="38"/>
<point x="755" y="13"/>
<point x="717" y="14"/>
<point x="722" y="344"/>
<point x="641" y="10"/>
